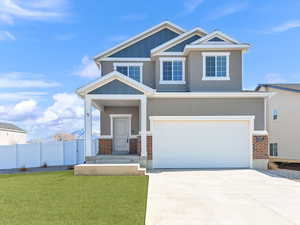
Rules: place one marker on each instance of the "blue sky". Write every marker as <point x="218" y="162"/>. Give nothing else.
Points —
<point x="46" y="47"/>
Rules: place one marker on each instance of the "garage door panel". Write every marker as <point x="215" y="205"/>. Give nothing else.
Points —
<point x="201" y="144"/>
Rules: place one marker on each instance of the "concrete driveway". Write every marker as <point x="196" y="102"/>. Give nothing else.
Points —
<point x="221" y="197"/>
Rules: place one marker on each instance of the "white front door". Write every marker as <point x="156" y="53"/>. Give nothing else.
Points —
<point x="121" y="134"/>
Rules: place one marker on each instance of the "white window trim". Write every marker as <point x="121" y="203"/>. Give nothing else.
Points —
<point x="164" y="59"/>
<point x="131" y="64"/>
<point x="204" y="54"/>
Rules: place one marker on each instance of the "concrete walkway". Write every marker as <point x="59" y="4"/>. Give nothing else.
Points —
<point x="221" y="197"/>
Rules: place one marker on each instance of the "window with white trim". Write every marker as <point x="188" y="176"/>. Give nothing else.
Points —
<point x="215" y="66"/>
<point x="132" y="70"/>
<point x="273" y="149"/>
<point x="172" y="70"/>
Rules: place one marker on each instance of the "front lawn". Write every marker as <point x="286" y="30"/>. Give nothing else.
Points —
<point x="59" y="198"/>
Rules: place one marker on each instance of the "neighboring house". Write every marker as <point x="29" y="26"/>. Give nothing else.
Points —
<point x="11" y="134"/>
<point x="175" y="98"/>
<point x="283" y="120"/>
<point x="64" y="137"/>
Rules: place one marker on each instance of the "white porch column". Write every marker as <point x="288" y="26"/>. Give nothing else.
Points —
<point x="143" y="117"/>
<point x="88" y="126"/>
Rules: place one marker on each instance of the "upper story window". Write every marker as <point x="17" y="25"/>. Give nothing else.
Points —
<point x="132" y="70"/>
<point x="172" y="70"/>
<point x="215" y="66"/>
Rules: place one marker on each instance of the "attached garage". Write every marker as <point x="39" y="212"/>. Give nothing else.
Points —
<point x="202" y="142"/>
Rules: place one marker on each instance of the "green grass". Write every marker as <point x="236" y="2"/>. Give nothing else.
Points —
<point x="59" y="198"/>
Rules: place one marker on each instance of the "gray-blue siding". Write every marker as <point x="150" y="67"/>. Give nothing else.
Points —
<point x="116" y="87"/>
<point x="180" y="46"/>
<point x="216" y="39"/>
<point x="143" y="48"/>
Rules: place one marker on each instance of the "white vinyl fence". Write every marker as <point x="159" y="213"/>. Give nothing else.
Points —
<point x="36" y="155"/>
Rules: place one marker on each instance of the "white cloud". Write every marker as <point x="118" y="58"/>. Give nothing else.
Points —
<point x="31" y="9"/>
<point x="191" y="5"/>
<point x="23" y="110"/>
<point x="5" y="35"/>
<point x="64" y="114"/>
<point x="228" y="10"/>
<point x="134" y="17"/>
<point x="65" y="106"/>
<point x="286" y="26"/>
<point x="25" y="107"/>
<point x="88" y="68"/>
<point x="20" y="80"/>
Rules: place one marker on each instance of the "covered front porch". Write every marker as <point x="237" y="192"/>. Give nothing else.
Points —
<point x="122" y="124"/>
<point x="122" y="103"/>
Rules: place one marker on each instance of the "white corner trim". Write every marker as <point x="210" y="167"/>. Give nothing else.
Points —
<point x="205" y="54"/>
<point x="260" y="132"/>
<point x="172" y="59"/>
<point x="125" y="59"/>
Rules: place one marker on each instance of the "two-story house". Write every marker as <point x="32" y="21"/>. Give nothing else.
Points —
<point x="283" y="121"/>
<point x="174" y="98"/>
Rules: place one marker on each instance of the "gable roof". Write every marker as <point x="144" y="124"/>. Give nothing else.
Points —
<point x="286" y="87"/>
<point x="140" y="36"/>
<point x="114" y="75"/>
<point x="10" y="127"/>
<point x="177" y="40"/>
<point x="214" y="34"/>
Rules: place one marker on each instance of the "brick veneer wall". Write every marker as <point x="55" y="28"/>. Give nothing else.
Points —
<point x="105" y="146"/>
<point x="133" y="144"/>
<point x="260" y="147"/>
<point x="149" y="147"/>
<point x="138" y="146"/>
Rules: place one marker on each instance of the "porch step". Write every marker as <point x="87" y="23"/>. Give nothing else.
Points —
<point x="112" y="159"/>
<point x="132" y="169"/>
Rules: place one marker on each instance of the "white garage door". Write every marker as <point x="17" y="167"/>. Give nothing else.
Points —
<point x="201" y="142"/>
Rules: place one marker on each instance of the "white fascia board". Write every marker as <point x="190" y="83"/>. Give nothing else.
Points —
<point x="176" y="40"/>
<point x="203" y="118"/>
<point x="125" y="59"/>
<point x="140" y="36"/>
<point x="168" y="54"/>
<point x="115" y="75"/>
<point x="215" y="33"/>
<point x="215" y="47"/>
<point x="210" y="95"/>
